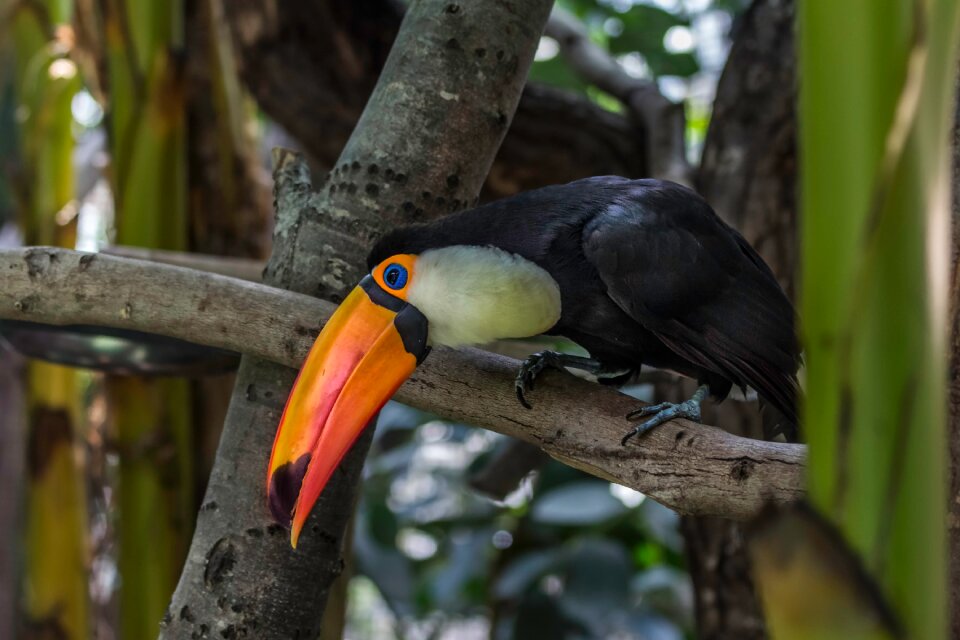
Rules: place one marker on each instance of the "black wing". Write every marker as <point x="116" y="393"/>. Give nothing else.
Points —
<point x="670" y="263"/>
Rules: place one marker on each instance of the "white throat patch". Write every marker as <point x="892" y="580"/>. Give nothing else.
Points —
<point x="473" y="295"/>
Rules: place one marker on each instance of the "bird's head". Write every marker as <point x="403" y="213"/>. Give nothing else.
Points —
<point x="384" y="328"/>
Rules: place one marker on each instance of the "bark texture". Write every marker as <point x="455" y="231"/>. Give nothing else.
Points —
<point x="314" y="76"/>
<point x="748" y="173"/>
<point x="241" y="577"/>
<point x="694" y="469"/>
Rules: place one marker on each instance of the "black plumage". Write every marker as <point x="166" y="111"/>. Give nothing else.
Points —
<point x="648" y="274"/>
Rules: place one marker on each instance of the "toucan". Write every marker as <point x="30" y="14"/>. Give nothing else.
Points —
<point x="637" y="272"/>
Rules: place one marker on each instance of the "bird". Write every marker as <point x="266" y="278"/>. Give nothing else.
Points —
<point x="636" y="271"/>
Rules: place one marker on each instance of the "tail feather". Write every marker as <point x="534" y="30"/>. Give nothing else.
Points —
<point x="774" y="383"/>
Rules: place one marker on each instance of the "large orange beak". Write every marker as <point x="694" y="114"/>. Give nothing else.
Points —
<point x="371" y="344"/>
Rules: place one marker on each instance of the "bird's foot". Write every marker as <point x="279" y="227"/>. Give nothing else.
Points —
<point x="664" y="412"/>
<point x="536" y="363"/>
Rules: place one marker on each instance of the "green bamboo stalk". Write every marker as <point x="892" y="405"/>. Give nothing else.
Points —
<point x="154" y="514"/>
<point x="151" y="418"/>
<point x="55" y="592"/>
<point x="55" y="597"/>
<point x="875" y="105"/>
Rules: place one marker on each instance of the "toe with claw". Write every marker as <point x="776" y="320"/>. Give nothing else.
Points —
<point x="664" y="412"/>
<point x="535" y="364"/>
<point x="527" y="373"/>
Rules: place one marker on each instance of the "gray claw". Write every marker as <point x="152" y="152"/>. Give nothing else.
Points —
<point x="664" y="412"/>
<point x="648" y="410"/>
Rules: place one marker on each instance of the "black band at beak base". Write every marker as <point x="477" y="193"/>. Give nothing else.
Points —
<point x="412" y="327"/>
<point x="410" y="323"/>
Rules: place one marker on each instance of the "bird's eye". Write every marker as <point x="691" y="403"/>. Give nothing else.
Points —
<point x="395" y="276"/>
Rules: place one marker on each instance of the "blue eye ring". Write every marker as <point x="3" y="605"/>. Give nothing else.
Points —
<point x="395" y="276"/>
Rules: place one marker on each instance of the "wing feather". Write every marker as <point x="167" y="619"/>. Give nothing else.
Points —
<point x="670" y="263"/>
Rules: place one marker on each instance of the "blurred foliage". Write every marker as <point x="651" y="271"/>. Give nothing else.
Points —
<point x="637" y="33"/>
<point x="638" y="30"/>
<point x="8" y="141"/>
<point x="55" y="599"/>
<point x="152" y="419"/>
<point x="877" y="104"/>
<point x="55" y="581"/>
<point x="565" y="556"/>
<point x="45" y="82"/>
<point x="813" y="585"/>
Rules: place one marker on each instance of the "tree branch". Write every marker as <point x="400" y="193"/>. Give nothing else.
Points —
<point x="243" y="268"/>
<point x="663" y="121"/>
<point x="693" y="469"/>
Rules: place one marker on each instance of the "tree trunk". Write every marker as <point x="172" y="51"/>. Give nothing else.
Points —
<point x="748" y="174"/>
<point x="953" y="390"/>
<point x="241" y="576"/>
<point x="13" y="426"/>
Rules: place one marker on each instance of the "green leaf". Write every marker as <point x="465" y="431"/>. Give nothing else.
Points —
<point x="523" y="572"/>
<point x="667" y="590"/>
<point x="577" y="504"/>
<point x="557" y="73"/>
<point x="673" y="64"/>
<point x="468" y="552"/>
<point x="661" y="524"/>
<point x="389" y="569"/>
<point x="539" y="616"/>
<point x="875" y="227"/>
<point x="383" y="524"/>
<point x="643" y="30"/>
<point x="597" y="576"/>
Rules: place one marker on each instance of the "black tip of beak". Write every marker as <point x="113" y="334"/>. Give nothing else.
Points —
<point x="285" y="489"/>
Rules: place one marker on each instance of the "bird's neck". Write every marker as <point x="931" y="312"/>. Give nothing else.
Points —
<point x="474" y="295"/>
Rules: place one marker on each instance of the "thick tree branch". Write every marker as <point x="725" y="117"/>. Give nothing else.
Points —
<point x="691" y="468"/>
<point x="243" y="268"/>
